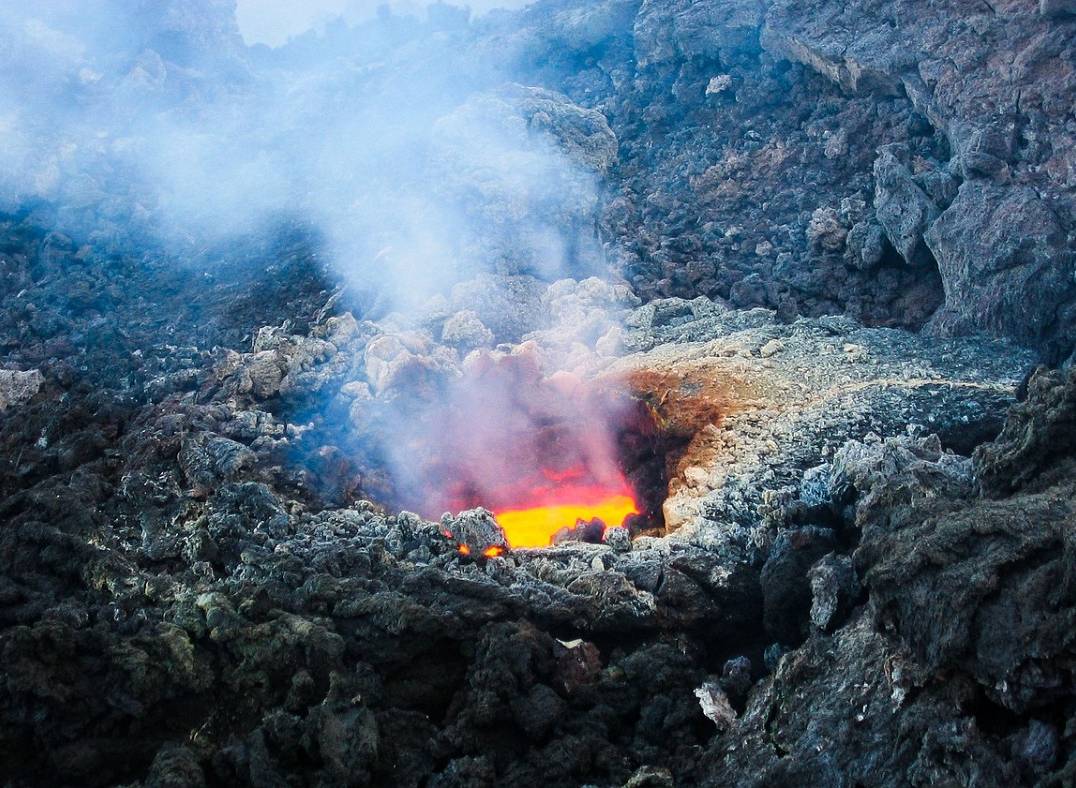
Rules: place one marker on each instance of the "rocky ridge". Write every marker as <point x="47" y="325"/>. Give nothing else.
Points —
<point x="868" y="572"/>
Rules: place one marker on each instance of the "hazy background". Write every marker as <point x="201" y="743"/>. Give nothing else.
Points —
<point x="273" y="22"/>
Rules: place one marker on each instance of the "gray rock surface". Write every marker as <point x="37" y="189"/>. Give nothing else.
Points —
<point x="903" y="209"/>
<point x="17" y="387"/>
<point x="867" y="572"/>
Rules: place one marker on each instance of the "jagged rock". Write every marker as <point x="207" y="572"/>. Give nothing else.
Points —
<point x="855" y="682"/>
<point x="1057" y="8"/>
<point x="665" y="31"/>
<point x="175" y="767"/>
<point x="208" y="459"/>
<point x="786" y="587"/>
<point x="834" y="589"/>
<point x="903" y="209"/>
<point x="1039" y="438"/>
<point x="465" y="331"/>
<point x="736" y="677"/>
<point x="18" y="387"/>
<point x="651" y="777"/>
<point x="584" y="134"/>
<point x="866" y="244"/>
<point x="1039" y="748"/>
<point x="580" y="28"/>
<point x="826" y="231"/>
<point x="476" y="530"/>
<point x="1002" y="254"/>
<point x="715" y="705"/>
<point x="943" y="60"/>
<point x="997" y="564"/>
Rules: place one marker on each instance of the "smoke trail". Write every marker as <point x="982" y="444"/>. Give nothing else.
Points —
<point x="422" y="164"/>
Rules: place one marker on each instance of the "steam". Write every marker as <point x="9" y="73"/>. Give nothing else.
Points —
<point x="412" y="151"/>
<point x="273" y="22"/>
<point x="503" y="435"/>
<point x="401" y="142"/>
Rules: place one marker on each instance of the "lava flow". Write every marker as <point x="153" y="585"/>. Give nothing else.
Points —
<point x="535" y="525"/>
<point x="539" y="452"/>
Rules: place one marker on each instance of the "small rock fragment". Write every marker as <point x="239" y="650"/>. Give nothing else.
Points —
<point x="719" y="84"/>
<point x="771" y="348"/>
<point x="715" y="705"/>
<point x="17" y="387"/>
<point x="834" y="589"/>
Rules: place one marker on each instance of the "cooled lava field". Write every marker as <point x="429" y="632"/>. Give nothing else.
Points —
<point x="612" y="393"/>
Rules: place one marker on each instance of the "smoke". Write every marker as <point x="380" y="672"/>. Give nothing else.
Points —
<point x="505" y="435"/>
<point x="397" y="138"/>
<point x="401" y="138"/>
<point x="273" y="22"/>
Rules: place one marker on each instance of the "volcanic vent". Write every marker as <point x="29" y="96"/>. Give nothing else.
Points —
<point x="553" y="456"/>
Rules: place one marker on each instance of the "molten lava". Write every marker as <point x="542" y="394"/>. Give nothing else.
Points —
<point x="539" y="451"/>
<point x="535" y="526"/>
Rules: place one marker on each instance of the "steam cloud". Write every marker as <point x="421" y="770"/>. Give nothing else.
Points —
<point x="385" y="137"/>
<point x="411" y="151"/>
<point x="503" y="436"/>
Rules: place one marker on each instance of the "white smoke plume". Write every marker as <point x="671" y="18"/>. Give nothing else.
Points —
<point x="408" y="147"/>
<point x="395" y="138"/>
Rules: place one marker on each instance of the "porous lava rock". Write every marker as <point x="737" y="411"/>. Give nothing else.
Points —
<point x="864" y="572"/>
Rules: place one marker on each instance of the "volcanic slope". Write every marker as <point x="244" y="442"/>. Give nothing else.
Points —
<point x="204" y="611"/>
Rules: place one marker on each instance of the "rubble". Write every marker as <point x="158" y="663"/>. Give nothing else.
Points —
<point x="822" y="247"/>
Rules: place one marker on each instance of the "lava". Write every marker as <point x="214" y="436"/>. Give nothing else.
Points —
<point x="541" y="452"/>
<point x="536" y="527"/>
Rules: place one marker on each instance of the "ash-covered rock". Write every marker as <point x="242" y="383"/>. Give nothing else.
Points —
<point x="17" y="387"/>
<point x="347" y="640"/>
<point x="964" y="645"/>
<point x="203" y="579"/>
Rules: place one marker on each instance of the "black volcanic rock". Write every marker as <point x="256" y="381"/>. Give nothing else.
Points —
<point x="867" y="576"/>
<point x="965" y="644"/>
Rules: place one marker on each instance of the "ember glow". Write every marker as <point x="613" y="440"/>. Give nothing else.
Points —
<point x="536" y="526"/>
<point x="534" y="517"/>
<point x="538" y="451"/>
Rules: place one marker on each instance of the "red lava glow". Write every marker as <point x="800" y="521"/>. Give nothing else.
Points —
<point x="539" y="451"/>
<point x="535" y="521"/>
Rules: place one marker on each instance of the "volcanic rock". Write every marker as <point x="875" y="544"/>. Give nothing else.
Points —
<point x="17" y="387"/>
<point x="786" y="588"/>
<point x="834" y="589"/>
<point x="475" y="530"/>
<point x="903" y="209"/>
<point x="1002" y="275"/>
<point x="465" y="331"/>
<point x="856" y="565"/>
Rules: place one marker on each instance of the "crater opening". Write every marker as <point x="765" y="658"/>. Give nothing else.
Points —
<point x="554" y="457"/>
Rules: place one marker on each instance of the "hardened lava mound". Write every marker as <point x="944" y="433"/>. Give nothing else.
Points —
<point x="690" y="400"/>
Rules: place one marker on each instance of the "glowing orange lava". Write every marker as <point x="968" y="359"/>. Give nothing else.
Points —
<point x="535" y="526"/>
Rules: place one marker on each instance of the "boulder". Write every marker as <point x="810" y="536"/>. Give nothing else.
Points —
<point x="786" y="587"/>
<point x="18" y="387"/>
<point x="683" y="29"/>
<point x="1004" y="261"/>
<point x="903" y="209"/>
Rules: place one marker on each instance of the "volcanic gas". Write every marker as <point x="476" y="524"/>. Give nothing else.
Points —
<point x="542" y="452"/>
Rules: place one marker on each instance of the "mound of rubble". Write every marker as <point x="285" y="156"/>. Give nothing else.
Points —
<point x="833" y="242"/>
<point x="211" y="599"/>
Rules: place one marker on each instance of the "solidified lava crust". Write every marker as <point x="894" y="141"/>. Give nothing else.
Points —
<point x="795" y="275"/>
